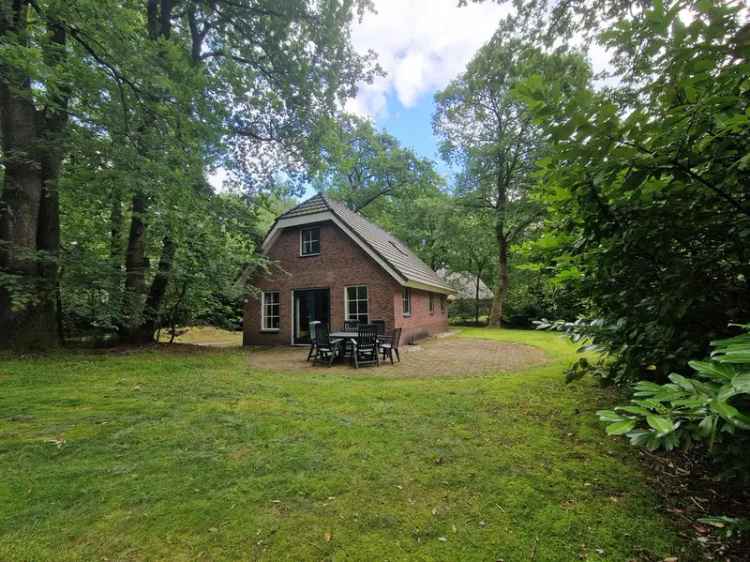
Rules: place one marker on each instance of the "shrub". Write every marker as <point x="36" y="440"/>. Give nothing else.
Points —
<point x="710" y="408"/>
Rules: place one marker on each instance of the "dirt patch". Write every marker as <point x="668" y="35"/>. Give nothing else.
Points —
<point x="689" y="490"/>
<point x="438" y="357"/>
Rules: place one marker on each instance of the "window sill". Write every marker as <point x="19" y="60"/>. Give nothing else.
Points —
<point x="270" y="331"/>
<point x="407" y="315"/>
<point x="309" y="255"/>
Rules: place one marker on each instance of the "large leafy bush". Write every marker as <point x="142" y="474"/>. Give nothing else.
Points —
<point x="646" y="184"/>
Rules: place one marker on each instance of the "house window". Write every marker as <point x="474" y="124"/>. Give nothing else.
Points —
<point x="442" y="304"/>
<point x="310" y="242"/>
<point x="356" y="304"/>
<point x="432" y="304"/>
<point x="406" y="299"/>
<point x="270" y="311"/>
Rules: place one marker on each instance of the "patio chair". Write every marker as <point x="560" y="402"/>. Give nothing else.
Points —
<point x="327" y="348"/>
<point x="389" y="345"/>
<point x="351" y="325"/>
<point x="365" y="347"/>
<point x="313" y="338"/>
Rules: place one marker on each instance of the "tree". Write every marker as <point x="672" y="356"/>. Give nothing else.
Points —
<point x="647" y="183"/>
<point x="372" y="173"/>
<point x="32" y="125"/>
<point x="490" y="133"/>
<point x="471" y="248"/>
<point x="367" y="169"/>
<point x="161" y="91"/>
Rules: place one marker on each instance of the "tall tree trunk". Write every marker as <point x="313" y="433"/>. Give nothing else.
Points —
<point x="139" y="314"/>
<point x="115" y="253"/>
<point x="55" y="120"/>
<point x="152" y="310"/>
<point x="32" y="146"/>
<point x="476" y="298"/>
<point x="135" y="266"/>
<point x="503" y="281"/>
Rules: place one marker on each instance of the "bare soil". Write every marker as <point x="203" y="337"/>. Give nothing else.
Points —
<point x="437" y="357"/>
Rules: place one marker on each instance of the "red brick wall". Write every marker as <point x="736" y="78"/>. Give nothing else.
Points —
<point x="421" y="322"/>
<point x="341" y="263"/>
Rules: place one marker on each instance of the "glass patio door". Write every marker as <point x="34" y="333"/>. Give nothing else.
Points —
<point x="309" y="305"/>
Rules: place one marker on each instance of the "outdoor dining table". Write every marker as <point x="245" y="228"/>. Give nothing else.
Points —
<point x="345" y="335"/>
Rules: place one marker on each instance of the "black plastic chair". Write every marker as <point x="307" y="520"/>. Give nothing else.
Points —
<point x="327" y="348"/>
<point x="313" y="338"/>
<point x="365" y="347"/>
<point x="389" y="345"/>
<point x="351" y="325"/>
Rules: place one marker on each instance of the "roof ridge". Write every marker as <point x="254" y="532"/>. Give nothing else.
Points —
<point x="323" y="198"/>
<point x="304" y="203"/>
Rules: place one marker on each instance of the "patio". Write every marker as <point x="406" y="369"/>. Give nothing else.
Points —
<point x="443" y="356"/>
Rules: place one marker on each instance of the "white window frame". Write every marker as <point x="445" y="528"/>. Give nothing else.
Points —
<point x="264" y="317"/>
<point x="442" y="304"/>
<point x="347" y="313"/>
<point x="406" y="300"/>
<point x="302" y="241"/>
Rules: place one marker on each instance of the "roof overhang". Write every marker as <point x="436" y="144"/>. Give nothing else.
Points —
<point x="428" y="287"/>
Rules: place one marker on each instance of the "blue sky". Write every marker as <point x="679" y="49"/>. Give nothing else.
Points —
<point x="421" y="45"/>
<point x="412" y="126"/>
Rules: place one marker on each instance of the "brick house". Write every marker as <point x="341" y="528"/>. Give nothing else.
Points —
<point x="331" y="264"/>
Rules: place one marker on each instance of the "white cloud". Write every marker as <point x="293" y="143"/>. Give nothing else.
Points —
<point x="422" y="45"/>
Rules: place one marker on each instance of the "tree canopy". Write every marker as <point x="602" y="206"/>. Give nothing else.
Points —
<point x="119" y="110"/>
<point x="491" y="134"/>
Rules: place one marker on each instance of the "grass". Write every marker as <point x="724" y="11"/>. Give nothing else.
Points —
<point x="204" y="335"/>
<point x="167" y="455"/>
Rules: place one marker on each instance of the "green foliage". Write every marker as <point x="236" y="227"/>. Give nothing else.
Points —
<point x="711" y="407"/>
<point x="160" y="94"/>
<point x="728" y="527"/>
<point x="372" y="173"/>
<point x="489" y="132"/>
<point x="646" y="184"/>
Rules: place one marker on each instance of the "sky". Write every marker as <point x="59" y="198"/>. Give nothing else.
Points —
<point x="422" y="45"/>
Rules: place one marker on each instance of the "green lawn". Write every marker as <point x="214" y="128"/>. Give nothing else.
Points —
<point x="155" y="455"/>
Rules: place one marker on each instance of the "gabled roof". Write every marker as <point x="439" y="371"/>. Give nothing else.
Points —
<point x="396" y="258"/>
<point x="465" y="284"/>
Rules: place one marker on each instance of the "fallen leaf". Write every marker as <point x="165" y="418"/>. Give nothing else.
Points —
<point x="59" y="442"/>
<point x="328" y="536"/>
<point x="443" y="539"/>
